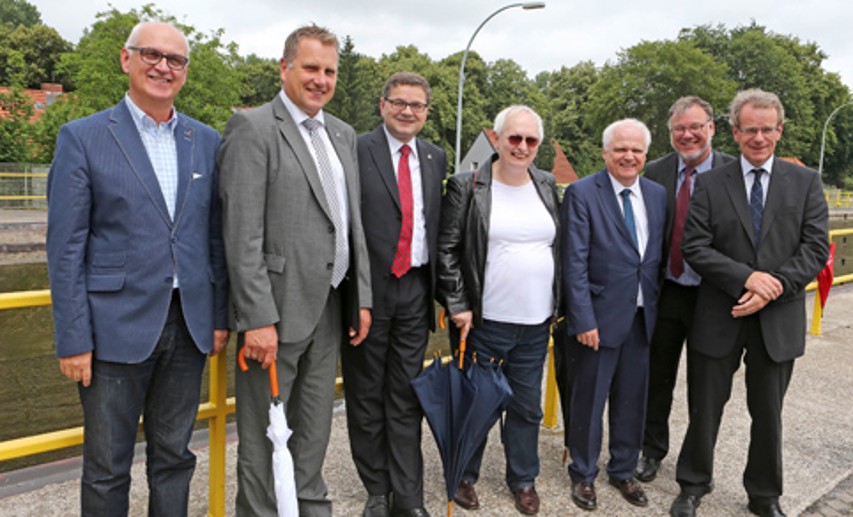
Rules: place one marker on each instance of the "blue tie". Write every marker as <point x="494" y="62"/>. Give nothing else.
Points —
<point x="629" y="216"/>
<point x="756" y="203"/>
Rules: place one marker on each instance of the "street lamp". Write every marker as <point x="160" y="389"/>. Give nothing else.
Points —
<point x="524" y="5"/>
<point x="823" y="139"/>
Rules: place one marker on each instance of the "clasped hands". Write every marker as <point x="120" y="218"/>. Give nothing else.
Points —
<point x="761" y="289"/>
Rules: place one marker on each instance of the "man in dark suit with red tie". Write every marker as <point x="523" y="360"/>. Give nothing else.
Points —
<point x="691" y="129"/>
<point x="401" y="179"/>
<point x="757" y="233"/>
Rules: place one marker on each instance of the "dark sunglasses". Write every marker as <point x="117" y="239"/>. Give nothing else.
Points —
<point x="516" y="140"/>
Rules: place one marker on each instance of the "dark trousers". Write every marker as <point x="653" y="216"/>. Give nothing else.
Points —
<point x="675" y="319"/>
<point x="523" y="349"/>
<point x="164" y="389"/>
<point x="708" y="391"/>
<point x="383" y="414"/>
<point x="617" y="376"/>
<point x="306" y="379"/>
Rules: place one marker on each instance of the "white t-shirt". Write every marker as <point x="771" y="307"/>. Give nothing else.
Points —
<point x="519" y="260"/>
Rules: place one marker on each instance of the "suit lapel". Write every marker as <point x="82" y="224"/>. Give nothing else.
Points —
<point x="185" y="146"/>
<point x="429" y="170"/>
<point x="608" y="200"/>
<point x="380" y="153"/>
<point x="346" y="158"/>
<point x="779" y="184"/>
<point x="737" y="193"/>
<point x="127" y="138"/>
<point x="293" y="137"/>
<point x="654" y="215"/>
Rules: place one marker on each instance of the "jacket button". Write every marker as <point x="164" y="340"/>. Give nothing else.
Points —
<point x="331" y="228"/>
<point x="174" y="239"/>
<point x="168" y="280"/>
<point x="330" y="265"/>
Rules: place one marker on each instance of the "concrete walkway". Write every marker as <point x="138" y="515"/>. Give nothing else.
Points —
<point x="818" y="454"/>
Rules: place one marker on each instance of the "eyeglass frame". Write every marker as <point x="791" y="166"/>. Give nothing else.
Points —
<point x="399" y="105"/>
<point x="692" y="128"/>
<point x="531" y="141"/>
<point x="752" y="132"/>
<point x="163" y="55"/>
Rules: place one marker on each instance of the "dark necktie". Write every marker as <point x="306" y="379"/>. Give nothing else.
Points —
<point x="756" y="204"/>
<point x="403" y="258"/>
<point x="682" y="201"/>
<point x="327" y="179"/>
<point x="628" y="212"/>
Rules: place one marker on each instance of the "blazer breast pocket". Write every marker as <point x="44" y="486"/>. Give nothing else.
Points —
<point x="105" y="283"/>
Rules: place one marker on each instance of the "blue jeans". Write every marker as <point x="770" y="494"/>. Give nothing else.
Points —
<point x="523" y="349"/>
<point x="165" y="390"/>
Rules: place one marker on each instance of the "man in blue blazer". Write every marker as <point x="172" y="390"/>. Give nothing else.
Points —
<point x="613" y="224"/>
<point x="137" y="274"/>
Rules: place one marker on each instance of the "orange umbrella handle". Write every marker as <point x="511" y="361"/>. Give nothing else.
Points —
<point x="241" y="361"/>
<point x="461" y="352"/>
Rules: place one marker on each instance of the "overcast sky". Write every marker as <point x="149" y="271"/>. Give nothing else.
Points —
<point x="562" y="34"/>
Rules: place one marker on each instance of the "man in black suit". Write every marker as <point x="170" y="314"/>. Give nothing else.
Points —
<point x="691" y="129"/>
<point x="401" y="179"/>
<point x="757" y="233"/>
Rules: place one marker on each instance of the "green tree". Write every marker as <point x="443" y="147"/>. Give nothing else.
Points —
<point x="15" y="128"/>
<point x="260" y="80"/>
<point x="44" y="132"/>
<point x="19" y="12"/>
<point x="358" y="89"/>
<point x="29" y="55"/>
<point x="647" y="78"/>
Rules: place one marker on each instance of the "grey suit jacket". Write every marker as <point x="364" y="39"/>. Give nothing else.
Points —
<point x="381" y="207"/>
<point x="719" y="245"/>
<point x="278" y="231"/>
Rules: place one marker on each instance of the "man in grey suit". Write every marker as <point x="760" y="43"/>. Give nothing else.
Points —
<point x="297" y="253"/>
<point x="757" y="233"/>
<point x="691" y="129"/>
<point x="137" y="275"/>
<point x="401" y="179"/>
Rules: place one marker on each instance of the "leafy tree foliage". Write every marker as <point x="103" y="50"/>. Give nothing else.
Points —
<point x="260" y="80"/>
<point x="29" y="55"/>
<point x="15" y="127"/>
<point x="19" y="12"/>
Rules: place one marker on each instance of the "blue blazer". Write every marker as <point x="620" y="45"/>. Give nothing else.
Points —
<point x="601" y="266"/>
<point x="113" y="249"/>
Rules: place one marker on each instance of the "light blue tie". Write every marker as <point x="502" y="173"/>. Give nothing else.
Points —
<point x="628" y="211"/>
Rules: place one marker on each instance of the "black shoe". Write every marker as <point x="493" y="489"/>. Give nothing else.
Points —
<point x="766" y="509"/>
<point x="466" y="496"/>
<point x="631" y="490"/>
<point x="647" y="469"/>
<point x="376" y="506"/>
<point x="410" y="512"/>
<point x="685" y="505"/>
<point x="583" y="494"/>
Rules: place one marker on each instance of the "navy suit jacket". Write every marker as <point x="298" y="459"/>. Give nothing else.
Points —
<point x="113" y="249"/>
<point x="601" y="267"/>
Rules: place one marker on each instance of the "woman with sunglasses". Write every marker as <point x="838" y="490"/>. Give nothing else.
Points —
<point x="498" y="278"/>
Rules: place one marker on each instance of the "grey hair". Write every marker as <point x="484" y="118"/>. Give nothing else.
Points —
<point x="516" y="109"/>
<point x="607" y="134"/>
<point x="758" y="99"/>
<point x="685" y="103"/>
<point x="133" y="38"/>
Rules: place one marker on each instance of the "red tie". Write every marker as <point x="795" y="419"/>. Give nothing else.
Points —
<point x="403" y="258"/>
<point x="676" y="260"/>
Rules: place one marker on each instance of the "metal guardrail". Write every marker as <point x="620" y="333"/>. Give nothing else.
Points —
<point x="218" y="406"/>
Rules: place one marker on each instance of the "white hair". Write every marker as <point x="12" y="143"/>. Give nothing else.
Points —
<point x="513" y="110"/>
<point x="607" y="134"/>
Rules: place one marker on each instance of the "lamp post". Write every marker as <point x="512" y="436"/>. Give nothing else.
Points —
<point x="524" y="5"/>
<point x="823" y="138"/>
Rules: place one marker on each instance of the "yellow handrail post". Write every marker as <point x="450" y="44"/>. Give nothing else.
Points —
<point x="551" y="395"/>
<point x="817" y="315"/>
<point x="837" y="198"/>
<point x="217" y="434"/>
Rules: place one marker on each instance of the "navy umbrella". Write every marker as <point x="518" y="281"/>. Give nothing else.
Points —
<point x="461" y="404"/>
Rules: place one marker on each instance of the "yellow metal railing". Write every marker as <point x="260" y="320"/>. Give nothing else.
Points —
<point x="215" y="410"/>
<point x="23" y="197"/>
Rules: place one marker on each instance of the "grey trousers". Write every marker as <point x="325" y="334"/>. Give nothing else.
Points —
<point x="306" y="376"/>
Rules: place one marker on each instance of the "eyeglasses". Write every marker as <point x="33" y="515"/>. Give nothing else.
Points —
<point x="152" y="56"/>
<point x="752" y="132"/>
<point x="516" y="140"/>
<point x="400" y="105"/>
<point x="693" y="128"/>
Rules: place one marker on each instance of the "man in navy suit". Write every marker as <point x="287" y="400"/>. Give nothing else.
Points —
<point x="401" y="179"/>
<point x="137" y="274"/>
<point x="613" y="223"/>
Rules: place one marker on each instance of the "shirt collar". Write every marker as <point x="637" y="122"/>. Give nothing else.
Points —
<point x="143" y="121"/>
<point x="297" y="114"/>
<point x="747" y="167"/>
<point x="704" y="166"/>
<point x="394" y="145"/>
<point x="618" y="187"/>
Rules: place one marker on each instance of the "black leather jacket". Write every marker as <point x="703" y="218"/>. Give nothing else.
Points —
<point x="464" y="230"/>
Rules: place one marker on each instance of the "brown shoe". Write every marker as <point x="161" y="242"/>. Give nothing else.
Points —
<point x="526" y="500"/>
<point x="466" y="496"/>
<point x="583" y="494"/>
<point x="631" y="490"/>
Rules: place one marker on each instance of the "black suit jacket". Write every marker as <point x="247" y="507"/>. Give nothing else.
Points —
<point x="380" y="205"/>
<point x="718" y="244"/>
<point x="664" y="170"/>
